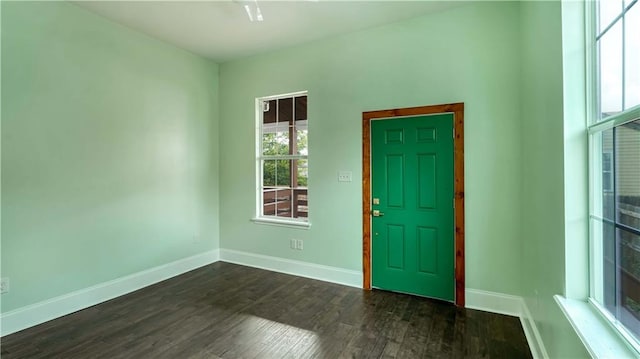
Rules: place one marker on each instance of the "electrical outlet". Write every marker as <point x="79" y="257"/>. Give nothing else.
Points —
<point x="4" y="285"/>
<point x="295" y="244"/>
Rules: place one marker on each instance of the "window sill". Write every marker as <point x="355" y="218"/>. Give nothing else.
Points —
<point x="281" y="223"/>
<point x="597" y="335"/>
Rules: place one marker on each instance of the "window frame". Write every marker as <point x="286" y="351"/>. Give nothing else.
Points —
<point x="596" y="125"/>
<point x="596" y="225"/>
<point x="593" y="36"/>
<point x="260" y="218"/>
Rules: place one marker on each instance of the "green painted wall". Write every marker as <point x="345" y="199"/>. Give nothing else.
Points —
<point x="543" y="169"/>
<point x="112" y="158"/>
<point x="468" y="54"/>
<point x="109" y="151"/>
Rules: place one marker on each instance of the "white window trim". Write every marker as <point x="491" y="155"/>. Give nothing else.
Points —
<point x="616" y="120"/>
<point x="593" y="78"/>
<point x="259" y="218"/>
<point x="281" y="222"/>
<point x="600" y="332"/>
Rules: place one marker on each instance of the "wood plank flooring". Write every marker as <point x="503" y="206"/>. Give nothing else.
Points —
<point x="230" y="311"/>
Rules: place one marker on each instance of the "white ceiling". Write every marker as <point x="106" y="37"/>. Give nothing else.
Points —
<point x="221" y="30"/>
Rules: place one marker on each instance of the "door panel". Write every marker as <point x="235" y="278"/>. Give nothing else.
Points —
<point x="427" y="250"/>
<point x="412" y="176"/>
<point x="394" y="174"/>
<point x="395" y="246"/>
<point x="427" y="181"/>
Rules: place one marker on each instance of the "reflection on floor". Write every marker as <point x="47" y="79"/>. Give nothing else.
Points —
<point x="230" y="311"/>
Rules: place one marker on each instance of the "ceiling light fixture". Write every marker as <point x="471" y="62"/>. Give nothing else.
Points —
<point x="253" y="10"/>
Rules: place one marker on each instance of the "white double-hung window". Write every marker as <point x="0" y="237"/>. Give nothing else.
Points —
<point x="282" y="159"/>
<point x="614" y="161"/>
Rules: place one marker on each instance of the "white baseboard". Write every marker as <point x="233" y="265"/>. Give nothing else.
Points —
<point x="302" y="269"/>
<point x="493" y="302"/>
<point x="532" y="334"/>
<point x="41" y="312"/>
<point x="509" y="305"/>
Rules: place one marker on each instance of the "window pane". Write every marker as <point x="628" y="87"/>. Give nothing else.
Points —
<point x="268" y="196"/>
<point x="618" y="231"/>
<point x="629" y="292"/>
<point x="268" y="143"/>
<point x="607" y="172"/>
<point x="611" y="71"/>
<point x="276" y="173"/>
<point x="301" y="108"/>
<point x="269" y="209"/>
<point x="269" y="112"/>
<point x="303" y="172"/>
<point x="608" y="198"/>
<point x="285" y="121"/>
<point x="285" y="110"/>
<point x="268" y="173"/>
<point x="274" y="141"/>
<point x="609" y="251"/>
<point x="301" y="204"/>
<point x="301" y="138"/>
<point x="282" y="142"/>
<point x="632" y="57"/>
<point x="301" y="125"/>
<point x="275" y="134"/>
<point x="284" y="203"/>
<point x="607" y="11"/>
<point x="283" y="173"/>
<point x="627" y="139"/>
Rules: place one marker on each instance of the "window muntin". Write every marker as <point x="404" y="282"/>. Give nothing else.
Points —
<point x="618" y="55"/>
<point x="615" y="166"/>
<point x="608" y="10"/>
<point x="282" y="159"/>
<point x="618" y="226"/>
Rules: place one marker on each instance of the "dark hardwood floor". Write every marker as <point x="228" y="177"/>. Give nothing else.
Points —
<point x="230" y="311"/>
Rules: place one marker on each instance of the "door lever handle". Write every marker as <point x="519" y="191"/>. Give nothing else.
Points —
<point x="377" y="213"/>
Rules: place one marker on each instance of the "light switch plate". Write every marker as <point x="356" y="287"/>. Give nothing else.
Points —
<point x="345" y="176"/>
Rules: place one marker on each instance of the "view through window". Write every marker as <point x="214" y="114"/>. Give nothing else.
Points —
<point x="615" y="165"/>
<point x="282" y="157"/>
<point x="619" y="218"/>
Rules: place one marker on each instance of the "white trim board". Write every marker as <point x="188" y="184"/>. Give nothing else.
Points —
<point x="337" y="275"/>
<point x="532" y="334"/>
<point x="598" y="335"/>
<point x="493" y="302"/>
<point x="41" y="312"/>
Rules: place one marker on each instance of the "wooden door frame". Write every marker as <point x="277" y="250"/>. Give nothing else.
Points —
<point x="458" y="124"/>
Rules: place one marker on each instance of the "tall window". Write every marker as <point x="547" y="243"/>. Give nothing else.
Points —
<point x="615" y="164"/>
<point x="282" y="158"/>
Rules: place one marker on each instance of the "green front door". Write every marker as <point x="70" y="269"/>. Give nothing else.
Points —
<point x="412" y="231"/>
